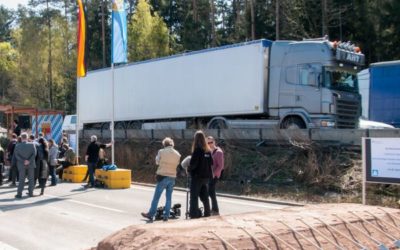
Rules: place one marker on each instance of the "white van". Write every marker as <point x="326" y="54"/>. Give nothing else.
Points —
<point x="69" y="123"/>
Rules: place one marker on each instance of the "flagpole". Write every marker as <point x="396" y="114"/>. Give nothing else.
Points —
<point x="77" y="119"/>
<point x="112" y="117"/>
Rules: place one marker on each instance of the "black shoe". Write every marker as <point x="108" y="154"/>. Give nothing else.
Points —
<point x="30" y="194"/>
<point x="165" y="219"/>
<point x="214" y="213"/>
<point x="147" y="216"/>
<point x="12" y="185"/>
<point x="18" y="196"/>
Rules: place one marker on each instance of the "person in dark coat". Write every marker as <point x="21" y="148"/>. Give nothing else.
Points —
<point x="2" y="161"/>
<point x="92" y="157"/>
<point x="43" y="159"/>
<point x="13" y="175"/>
<point x="17" y="129"/>
<point x="24" y="154"/>
<point x="201" y="173"/>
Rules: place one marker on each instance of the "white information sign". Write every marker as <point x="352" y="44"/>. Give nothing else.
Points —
<point x="381" y="162"/>
<point x="385" y="158"/>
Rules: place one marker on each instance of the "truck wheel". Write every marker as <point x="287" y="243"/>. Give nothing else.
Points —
<point x="119" y="125"/>
<point x="293" y="122"/>
<point x="105" y="126"/>
<point x="135" y="125"/>
<point x="217" y="124"/>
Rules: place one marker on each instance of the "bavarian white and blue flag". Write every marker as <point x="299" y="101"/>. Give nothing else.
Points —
<point x="119" y="32"/>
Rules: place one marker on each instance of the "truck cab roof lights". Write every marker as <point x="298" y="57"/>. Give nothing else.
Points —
<point x="348" y="46"/>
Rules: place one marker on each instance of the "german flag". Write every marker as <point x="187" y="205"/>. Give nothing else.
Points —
<point x="81" y="43"/>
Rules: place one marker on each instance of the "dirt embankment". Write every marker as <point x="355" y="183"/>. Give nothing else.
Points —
<point x="309" y="227"/>
<point x="300" y="172"/>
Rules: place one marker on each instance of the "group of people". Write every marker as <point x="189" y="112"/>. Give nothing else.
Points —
<point x="36" y="159"/>
<point x="204" y="167"/>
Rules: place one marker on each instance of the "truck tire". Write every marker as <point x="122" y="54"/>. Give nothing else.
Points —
<point x="217" y="124"/>
<point x="293" y="122"/>
<point x="119" y="125"/>
<point x="135" y="125"/>
<point x="105" y="126"/>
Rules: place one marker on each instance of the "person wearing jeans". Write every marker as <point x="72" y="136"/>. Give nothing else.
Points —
<point x="53" y="155"/>
<point x="217" y="167"/>
<point x="92" y="157"/>
<point x="167" y="160"/>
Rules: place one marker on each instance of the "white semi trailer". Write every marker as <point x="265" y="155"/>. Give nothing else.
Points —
<point x="289" y="84"/>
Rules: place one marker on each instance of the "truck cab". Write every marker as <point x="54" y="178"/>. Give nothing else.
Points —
<point x="313" y="83"/>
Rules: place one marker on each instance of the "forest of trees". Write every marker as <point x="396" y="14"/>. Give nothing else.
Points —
<point x="38" y="41"/>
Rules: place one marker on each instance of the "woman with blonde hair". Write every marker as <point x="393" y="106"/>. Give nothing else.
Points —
<point x="167" y="160"/>
<point x="201" y="172"/>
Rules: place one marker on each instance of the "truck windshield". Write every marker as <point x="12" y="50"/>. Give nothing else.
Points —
<point x="340" y="79"/>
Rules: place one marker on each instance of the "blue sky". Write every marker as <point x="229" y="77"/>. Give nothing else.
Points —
<point x="13" y="4"/>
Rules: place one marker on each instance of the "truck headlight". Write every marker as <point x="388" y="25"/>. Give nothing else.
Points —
<point x="327" y="124"/>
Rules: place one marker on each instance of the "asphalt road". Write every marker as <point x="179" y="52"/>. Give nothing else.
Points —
<point x="71" y="217"/>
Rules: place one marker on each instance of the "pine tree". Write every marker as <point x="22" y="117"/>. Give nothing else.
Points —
<point x="6" y="19"/>
<point x="8" y="67"/>
<point x="148" y="35"/>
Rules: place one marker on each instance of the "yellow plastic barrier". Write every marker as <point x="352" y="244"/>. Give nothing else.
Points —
<point x="77" y="169"/>
<point x="75" y="174"/>
<point x="113" y="179"/>
<point x="116" y="184"/>
<point x="74" y="178"/>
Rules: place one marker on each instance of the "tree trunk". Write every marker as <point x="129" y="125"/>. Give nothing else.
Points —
<point x="66" y="7"/>
<point x="195" y="15"/>
<point x="213" y="33"/>
<point x="252" y="16"/>
<point x="103" y="33"/>
<point x="277" y="20"/>
<point x="324" y="18"/>
<point x="49" y="67"/>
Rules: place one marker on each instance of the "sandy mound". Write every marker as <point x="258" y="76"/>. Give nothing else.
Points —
<point x="272" y="229"/>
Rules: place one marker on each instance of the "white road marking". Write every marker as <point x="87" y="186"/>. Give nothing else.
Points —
<point x="221" y="199"/>
<point x="87" y="204"/>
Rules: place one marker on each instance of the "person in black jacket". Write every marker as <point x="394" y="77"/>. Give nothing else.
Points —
<point x="92" y="157"/>
<point x="17" y="129"/>
<point x="201" y="172"/>
<point x="43" y="159"/>
<point x="2" y="161"/>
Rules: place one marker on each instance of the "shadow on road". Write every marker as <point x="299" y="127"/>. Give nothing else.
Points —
<point x="11" y="207"/>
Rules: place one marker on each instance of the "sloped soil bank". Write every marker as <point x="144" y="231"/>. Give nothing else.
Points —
<point x="274" y="229"/>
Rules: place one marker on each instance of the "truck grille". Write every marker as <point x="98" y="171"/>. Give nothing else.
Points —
<point x="347" y="113"/>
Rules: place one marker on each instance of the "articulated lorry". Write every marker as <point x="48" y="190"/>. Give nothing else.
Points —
<point x="380" y="91"/>
<point x="285" y="84"/>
